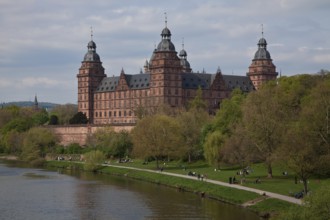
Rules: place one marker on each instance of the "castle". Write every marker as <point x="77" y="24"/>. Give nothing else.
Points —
<point x="167" y="79"/>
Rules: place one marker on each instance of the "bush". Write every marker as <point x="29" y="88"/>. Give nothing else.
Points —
<point x="93" y="160"/>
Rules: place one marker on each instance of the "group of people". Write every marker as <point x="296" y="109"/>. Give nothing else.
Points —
<point x="199" y="176"/>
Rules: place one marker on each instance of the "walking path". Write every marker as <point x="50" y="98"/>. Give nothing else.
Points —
<point x="236" y="186"/>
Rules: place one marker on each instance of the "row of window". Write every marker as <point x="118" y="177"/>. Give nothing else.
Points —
<point x="113" y="114"/>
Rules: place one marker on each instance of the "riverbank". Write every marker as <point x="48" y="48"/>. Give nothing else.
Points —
<point x="256" y="202"/>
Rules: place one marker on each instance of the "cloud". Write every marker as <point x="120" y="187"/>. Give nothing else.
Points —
<point x="43" y="42"/>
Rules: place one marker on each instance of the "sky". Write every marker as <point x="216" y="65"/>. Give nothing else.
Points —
<point x="42" y="42"/>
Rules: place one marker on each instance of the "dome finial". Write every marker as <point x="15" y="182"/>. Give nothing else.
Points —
<point x="91" y="33"/>
<point x="165" y="19"/>
<point x="262" y="30"/>
<point x="183" y="43"/>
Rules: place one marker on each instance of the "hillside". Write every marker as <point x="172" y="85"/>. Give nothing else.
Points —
<point x="46" y="105"/>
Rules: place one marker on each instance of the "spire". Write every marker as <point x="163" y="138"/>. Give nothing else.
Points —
<point x="165" y="19"/>
<point x="218" y="70"/>
<point x="36" y="105"/>
<point x="91" y="33"/>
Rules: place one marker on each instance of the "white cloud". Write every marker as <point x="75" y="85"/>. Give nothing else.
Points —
<point x="43" y="42"/>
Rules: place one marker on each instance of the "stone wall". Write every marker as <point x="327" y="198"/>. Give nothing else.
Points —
<point x="69" y="134"/>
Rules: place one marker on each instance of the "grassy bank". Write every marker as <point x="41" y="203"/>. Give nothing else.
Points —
<point x="201" y="188"/>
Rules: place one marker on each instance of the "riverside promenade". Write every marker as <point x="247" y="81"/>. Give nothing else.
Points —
<point x="236" y="186"/>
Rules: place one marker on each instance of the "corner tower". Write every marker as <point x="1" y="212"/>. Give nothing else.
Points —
<point x="166" y="73"/>
<point x="262" y="68"/>
<point x="89" y="77"/>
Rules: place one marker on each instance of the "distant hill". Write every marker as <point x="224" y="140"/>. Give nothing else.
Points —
<point x="46" y="105"/>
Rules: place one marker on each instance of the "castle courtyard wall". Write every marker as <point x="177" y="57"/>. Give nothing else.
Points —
<point x="69" y="134"/>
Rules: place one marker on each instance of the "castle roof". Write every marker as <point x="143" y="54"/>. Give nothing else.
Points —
<point x="189" y="81"/>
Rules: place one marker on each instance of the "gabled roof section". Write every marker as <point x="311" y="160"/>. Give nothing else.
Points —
<point x="138" y="81"/>
<point x="108" y="84"/>
<point x="242" y="82"/>
<point x="195" y="80"/>
<point x="205" y="80"/>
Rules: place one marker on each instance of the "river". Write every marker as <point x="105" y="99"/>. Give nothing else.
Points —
<point x="29" y="193"/>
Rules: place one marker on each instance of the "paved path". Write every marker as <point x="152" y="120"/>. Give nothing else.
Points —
<point x="236" y="186"/>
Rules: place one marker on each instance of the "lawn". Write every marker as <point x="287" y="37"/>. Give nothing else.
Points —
<point x="282" y="184"/>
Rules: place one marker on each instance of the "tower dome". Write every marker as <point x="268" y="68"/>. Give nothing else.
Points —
<point x="166" y="43"/>
<point x="183" y="53"/>
<point x="262" y="52"/>
<point x="166" y="33"/>
<point x="183" y="59"/>
<point x="91" y="54"/>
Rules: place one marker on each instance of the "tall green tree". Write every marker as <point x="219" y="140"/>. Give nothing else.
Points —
<point x="116" y="144"/>
<point x="36" y="143"/>
<point x="220" y="129"/>
<point x="263" y="120"/>
<point x="198" y="102"/>
<point x="306" y="146"/>
<point x="157" y="136"/>
<point x="213" y="147"/>
<point x="191" y="123"/>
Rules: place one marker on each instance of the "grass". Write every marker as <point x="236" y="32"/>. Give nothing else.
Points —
<point x="279" y="183"/>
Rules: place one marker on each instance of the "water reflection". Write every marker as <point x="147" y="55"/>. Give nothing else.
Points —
<point x="28" y="193"/>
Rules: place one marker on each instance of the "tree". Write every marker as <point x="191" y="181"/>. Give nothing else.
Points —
<point x="64" y="112"/>
<point x="191" y="123"/>
<point x="198" y="102"/>
<point x="13" y="142"/>
<point x="18" y="124"/>
<point x="53" y="120"/>
<point x="212" y="147"/>
<point x="93" y="160"/>
<point x="263" y="118"/>
<point x="40" y="117"/>
<point x="306" y="147"/>
<point x="117" y="144"/>
<point x="36" y="143"/>
<point x="237" y="148"/>
<point x="221" y="128"/>
<point x="79" y="118"/>
<point x="316" y="206"/>
<point x="157" y="136"/>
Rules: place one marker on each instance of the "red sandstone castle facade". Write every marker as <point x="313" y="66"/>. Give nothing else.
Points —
<point x="167" y="80"/>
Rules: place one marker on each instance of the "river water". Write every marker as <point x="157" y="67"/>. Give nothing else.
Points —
<point x="29" y="193"/>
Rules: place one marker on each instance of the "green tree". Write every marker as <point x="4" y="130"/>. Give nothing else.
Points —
<point x="263" y="119"/>
<point x="306" y="146"/>
<point x="117" y="144"/>
<point x="316" y="206"/>
<point x="191" y="123"/>
<point x="36" y="143"/>
<point x="198" y="102"/>
<point x="18" y="124"/>
<point x="64" y="112"/>
<point x="13" y="141"/>
<point x="40" y="117"/>
<point x="79" y="118"/>
<point x="212" y="147"/>
<point x="238" y="149"/>
<point x="227" y="117"/>
<point x="53" y="120"/>
<point x="93" y="160"/>
<point x="157" y="136"/>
